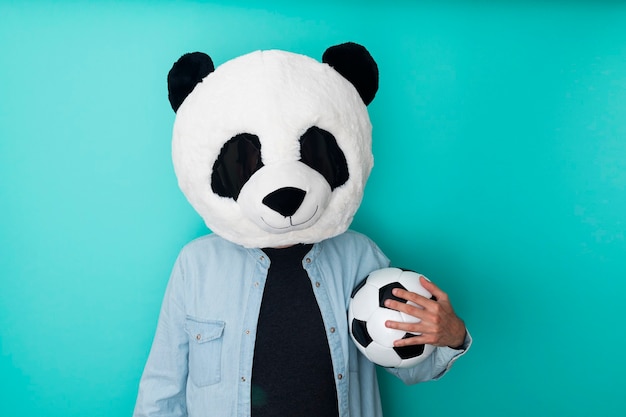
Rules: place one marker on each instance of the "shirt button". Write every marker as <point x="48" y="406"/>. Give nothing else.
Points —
<point x="256" y="284"/>
<point x="340" y="376"/>
<point x="198" y="336"/>
<point x="262" y="258"/>
<point x="317" y="284"/>
<point x="243" y="379"/>
<point x="332" y="330"/>
<point x="307" y="260"/>
<point x="247" y="331"/>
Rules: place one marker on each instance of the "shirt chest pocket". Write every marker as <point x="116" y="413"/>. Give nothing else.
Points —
<point x="205" y="350"/>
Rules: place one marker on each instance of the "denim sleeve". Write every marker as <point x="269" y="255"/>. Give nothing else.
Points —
<point x="162" y="389"/>
<point x="435" y="366"/>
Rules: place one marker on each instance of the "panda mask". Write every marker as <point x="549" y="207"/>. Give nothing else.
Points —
<point x="274" y="148"/>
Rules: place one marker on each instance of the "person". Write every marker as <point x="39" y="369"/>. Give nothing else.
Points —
<point x="273" y="149"/>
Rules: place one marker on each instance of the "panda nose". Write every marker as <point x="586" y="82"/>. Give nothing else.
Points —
<point x="285" y="201"/>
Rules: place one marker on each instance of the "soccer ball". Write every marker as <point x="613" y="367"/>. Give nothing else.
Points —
<point x="367" y="315"/>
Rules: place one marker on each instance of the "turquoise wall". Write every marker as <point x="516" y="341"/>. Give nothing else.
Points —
<point x="500" y="146"/>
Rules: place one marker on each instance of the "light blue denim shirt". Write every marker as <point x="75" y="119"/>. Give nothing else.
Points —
<point x="200" y="363"/>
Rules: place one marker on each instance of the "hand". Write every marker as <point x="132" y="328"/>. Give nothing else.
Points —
<point x="439" y="325"/>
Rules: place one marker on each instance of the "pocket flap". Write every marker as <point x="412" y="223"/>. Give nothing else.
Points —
<point x="204" y="330"/>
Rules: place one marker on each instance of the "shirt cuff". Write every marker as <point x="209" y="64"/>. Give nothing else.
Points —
<point x="456" y="352"/>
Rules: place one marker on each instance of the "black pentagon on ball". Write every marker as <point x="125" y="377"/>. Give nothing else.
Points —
<point x="384" y="293"/>
<point x="360" y="333"/>
<point x="408" y="352"/>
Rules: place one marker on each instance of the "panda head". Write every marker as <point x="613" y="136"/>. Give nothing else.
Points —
<point x="274" y="148"/>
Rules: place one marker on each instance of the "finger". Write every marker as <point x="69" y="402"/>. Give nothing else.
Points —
<point x="423" y="334"/>
<point x="411" y="310"/>
<point x="418" y="299"/>
<point x="433" y="289"/>
<point x="409" y="341"/>
<point x="415" y="328"/>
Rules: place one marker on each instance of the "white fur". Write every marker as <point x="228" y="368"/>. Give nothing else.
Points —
<point x="277" y="96"/>
<point x="273" y="177"/>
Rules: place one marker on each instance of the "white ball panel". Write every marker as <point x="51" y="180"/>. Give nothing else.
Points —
<point x="382" y="355"/>
<point x="381" y="333"/>
<point x="365" y="302"/>
<point x="411" y="281"/>
<point x="409" y="319"/>
<point x="382" y="277"/>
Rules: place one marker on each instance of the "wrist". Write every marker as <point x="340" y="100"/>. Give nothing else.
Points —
<point x="459" y="342"/>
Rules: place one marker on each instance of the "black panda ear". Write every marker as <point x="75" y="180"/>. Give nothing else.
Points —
<point x="355" y="64"/>
<point x="185" y="74"/>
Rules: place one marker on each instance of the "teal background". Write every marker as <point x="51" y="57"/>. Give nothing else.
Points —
<point x="500" y="146"/>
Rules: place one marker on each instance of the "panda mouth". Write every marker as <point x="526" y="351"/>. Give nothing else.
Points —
<point x="291" y="221"/>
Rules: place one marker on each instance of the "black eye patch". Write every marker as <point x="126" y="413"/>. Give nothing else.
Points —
<point x="239" y="158"/>
<point x="319" y="150"/>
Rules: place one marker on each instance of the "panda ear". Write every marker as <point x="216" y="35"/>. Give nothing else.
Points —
<point x="185" y="74"/>
<point x="355" y="64"/>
